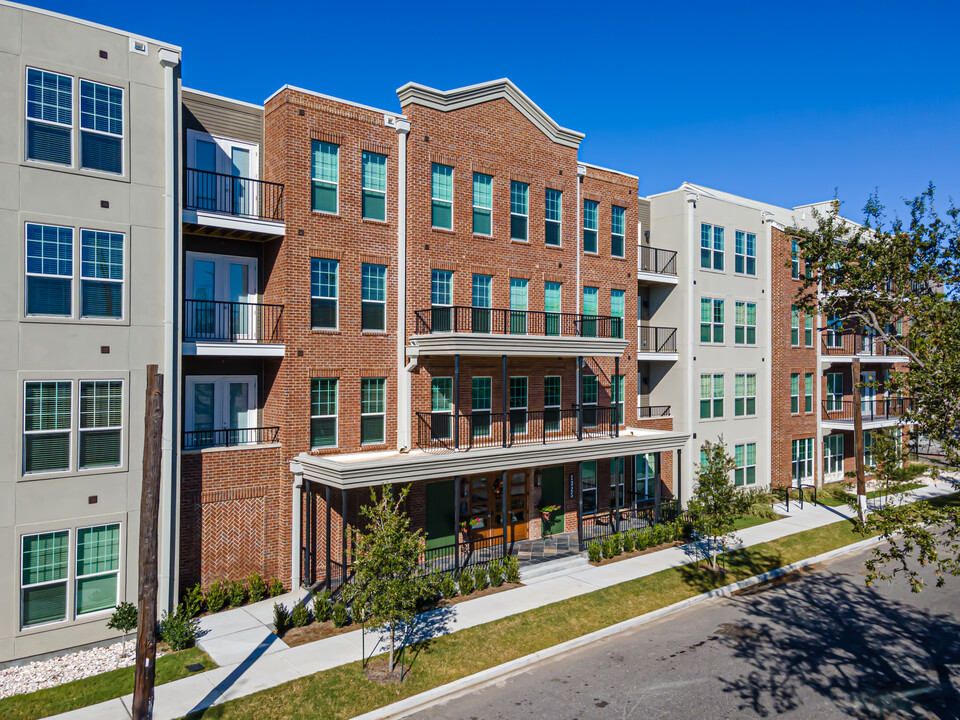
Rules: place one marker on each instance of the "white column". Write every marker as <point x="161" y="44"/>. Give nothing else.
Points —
<point x="295" y="523"/>
<point x="690" y="306"/>
<point x="403" y="375"/>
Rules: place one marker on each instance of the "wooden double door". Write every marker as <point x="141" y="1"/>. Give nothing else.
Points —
<point x="481" y="507"/>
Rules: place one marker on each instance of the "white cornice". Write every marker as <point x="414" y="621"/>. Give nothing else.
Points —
<point x="609" y="170"/>
<point x="493" y="345"/>
<point x="449" y="100"/>
<point x="331" y="98"/>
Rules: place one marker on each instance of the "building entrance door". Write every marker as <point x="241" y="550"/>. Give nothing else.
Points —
<point x="439" y="524"/>
<point x="551" y="486"/>
<point x="484" y="505"/>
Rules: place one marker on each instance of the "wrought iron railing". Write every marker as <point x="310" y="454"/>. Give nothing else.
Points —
<point x="640" y="515"/>
<point x="849" y="343"/>
<point x="653" y="411"/>
<point x="463" y="552"/>
<point x="871" y="409"/>
<point x="230" y="195"/>
<point x="657" y="260"/>
<point x="656" y="339"/>
<point x="231" y="437"/>
<point x="498" y="321"/>
<point x="222" y="321"/>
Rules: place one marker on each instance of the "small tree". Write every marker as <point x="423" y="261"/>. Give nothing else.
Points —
<point x="386" y="564"/>
<point x="124" y="619"/>
<point x="716" y="503"/>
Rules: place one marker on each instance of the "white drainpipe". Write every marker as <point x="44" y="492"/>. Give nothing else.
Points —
<point x="689" y="307"/>
<point x="403" y="374"/>
<point x="295" y="521"/>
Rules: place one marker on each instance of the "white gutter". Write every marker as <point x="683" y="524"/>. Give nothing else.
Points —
<point x="169" y="494"/>
<point x="690" y="306"/>
<point x="766" y="217"/>
<point x="581" y="171"/>
<point x="403" y="373"/>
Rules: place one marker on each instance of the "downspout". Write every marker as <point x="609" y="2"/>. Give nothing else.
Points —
<point x="296" y="542"/>
<point x="581" y="172"/>
<point x="767" y="218"/>
<point x="402" y="127"/>
<point x="690" y="306"/>
<point x="170" y="492"/>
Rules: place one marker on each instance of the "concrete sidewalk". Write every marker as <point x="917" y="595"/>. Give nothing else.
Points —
<point x="253" y="659"/>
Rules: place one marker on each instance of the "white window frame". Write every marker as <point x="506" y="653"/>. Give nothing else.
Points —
<point x="81" y="130"/>
<point x="559" y="404"/>
<point x="743" y="468"/>
<point x="584" y="491"/>
<point x="622" y="236"/>
<point x="745" y="255"/>
<point x="475" y="207"/>
<point x="832" y="459"/>
<point x="474" y="410"/>
<point x="448" y="411"/>
<point x="805" y="463"/>
<point x="713" y="397"/>
<point x="595" y="229"/>
<point x="74" y="114"/>
<point x="121" y="281"/>
<point x="376" y="414"/>
<point x="593" y="403"/>
<point x="745" y="325"/>
<point x="526" y="218"/>
<point x="335" y="298"/>
<point x="618" y="490"/>
<point x="648" y="478"/>
<point x="834" y="399"/>
<point x="548" y="221"/>
<point x="69" y="590"/>
<point x="77" y="577"/>
<point x="808" y="397"/>
<point x="373" y="302"/>
<point x="335" y="416"/>
<point x="449" y="202"/>
<point x="714" y="304"/>
<point x="81" y="431"/>
<point x="364" y="188"/>
<point x="73" y="272"/>
<point x="526" y="405"/>
<point x="745" y="396"/>
<point x="335" y="183"/>
<point x="220" y="399"/>
<point x="72" y="450"/>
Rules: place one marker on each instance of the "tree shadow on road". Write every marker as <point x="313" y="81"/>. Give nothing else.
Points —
<point x="732" y="566"/>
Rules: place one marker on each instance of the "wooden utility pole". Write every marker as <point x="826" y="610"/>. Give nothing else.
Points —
<point x="858" y="440"/>
<point x="149" y="514"/>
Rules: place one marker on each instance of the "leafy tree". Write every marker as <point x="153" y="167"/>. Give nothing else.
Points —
<point x="124" y="619"/>
<point x="386" y="564"/>
<point x="716" y="503"/>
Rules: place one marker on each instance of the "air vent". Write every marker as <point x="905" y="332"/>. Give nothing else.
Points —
<point x="138" y="46"/>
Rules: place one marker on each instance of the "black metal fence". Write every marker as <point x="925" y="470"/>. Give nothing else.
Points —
<point x="658" y="260"/>
<point x="463" y="553"/>
<point x="849" y="343"/>
<point x="239" y="196"/>
<point x="497" y="321"/>
<point x="222" y="321"/>
<point x="871" y="409"/>
<point x="604" y="523"/>
<point x="657" y="339"/>
<point x="199" y="439"/>
<point x="653" y="411"/>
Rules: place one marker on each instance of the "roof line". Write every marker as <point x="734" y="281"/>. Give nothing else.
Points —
<point x="221" y="97"/>
<point x="611" y="170"/>
<point x="314" y="93"/>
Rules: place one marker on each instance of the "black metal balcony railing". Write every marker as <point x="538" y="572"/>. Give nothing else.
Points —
<point x="849" y="343"/>
<point x="658" y="260"/>
<point x="442" y="431"/>
<point x="497" y="321"/>
<point x="238" y="196"/>
<point x="221" y="321"/>
<point x="199" y="439"/>
<point x="657" y="339"/>
<point x="872" y="409"/>
<point x="653" y="411"/>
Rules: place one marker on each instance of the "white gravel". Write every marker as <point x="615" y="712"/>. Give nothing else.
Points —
<point x="75" y="666"/>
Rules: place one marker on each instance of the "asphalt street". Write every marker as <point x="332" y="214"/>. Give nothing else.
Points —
<point x="820" y="645"/>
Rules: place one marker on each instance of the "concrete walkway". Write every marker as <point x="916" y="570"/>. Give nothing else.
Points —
<point x="251" y="658"/>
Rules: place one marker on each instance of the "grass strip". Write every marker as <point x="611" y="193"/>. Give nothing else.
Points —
<point x="99" y="688"/>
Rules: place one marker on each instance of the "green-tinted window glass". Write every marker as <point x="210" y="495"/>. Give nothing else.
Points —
<point x="46" y="422"/>
<point x="551" y="297"/>
<point x="482" y="203"/>
<point x="617" y="301"/>
<point x="518" y="293"/>
<point x="324" y="283"/>
<point x="441" y="394"/>
<point x="518" y="392"/>
<point x="101" y="422"/>
<point x="481" y="393"/>
<point x="794" y="325"/>
<point x="616" y="391"/>
<point x="43" y="578"/>
<point x="590" y="225"/>
<point x="374" y="186"/>
<point x="590" y="389"/>
<point x="551" y="391"/>
<point x="325" y="174"/>
<point x="323" y="412"/>
<point x="617" y="236"/>
<point x="718" y="321"/>
<point x="98" y="565"/>
<point x="49" y="270"/>
<point x="706" y="235"/>
<point x="101" y="274"/>
<point x="373" y="297"/>
<point x="552" y="216"/>
<point x="519" y="210"/>
<point x="717" y="248"/>
<point x="718" y="395"/>
<point x="482" y="285"/>
<point x="794" y="392"/>
<point x="372" y="410"/>
<point x="441" y="196"/>
<point x="706" y="319"/>
<point x="441" y="287"/>
<point x="590" y="303"/>
<point x="808" y="392"/>
<point x="808" y="330"/>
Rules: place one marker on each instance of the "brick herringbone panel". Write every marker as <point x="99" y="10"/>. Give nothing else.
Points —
<point x="232" y="526"/>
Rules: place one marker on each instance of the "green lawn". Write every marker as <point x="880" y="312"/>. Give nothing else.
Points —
<point x="343" y="692"/>
<point x="99" y="688"/>
<point x="746" y="521"/>
<point x="827" y="498"/>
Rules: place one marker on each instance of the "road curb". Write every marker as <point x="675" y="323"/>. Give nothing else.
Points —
<point x="443" y="693"/>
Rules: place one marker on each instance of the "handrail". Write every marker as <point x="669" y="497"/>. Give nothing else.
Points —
<point x="657" y="260"/>
<point x="653" y="411"/>
<point x="501" y="321"/>
<point x="843" y="342"/>
<point x="656" y="339"/>
<point x="229" y="437"/>
<point x="210" y="191"/>
<point x="877" y="408"/>
<point x="224" y="321"/>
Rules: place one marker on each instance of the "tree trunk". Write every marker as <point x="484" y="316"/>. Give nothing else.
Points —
<point x="713" y="552"/>
<point x="391" y="647"/>
<point x="858" y="440"/>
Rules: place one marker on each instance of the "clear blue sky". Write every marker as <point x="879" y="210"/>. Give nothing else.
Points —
<point x="780" y="102"/>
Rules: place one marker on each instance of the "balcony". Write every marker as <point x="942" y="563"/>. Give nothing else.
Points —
<point x="656" y="266"/>
<point x="230" y="206"/>
<point x="235" y="437"/>
<point x="221" y="328"/>
<point x="876" y="412"/>
<point x="656" y="343"/>
<point x="844" y="346"/>
<point x="653" y="412"/>
<point x="459" y="330"/>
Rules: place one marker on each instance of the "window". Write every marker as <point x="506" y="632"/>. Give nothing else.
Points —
<point x="551" y="403"/>
<point x="745" y="253"/>
<point x="101" y="274"/>
<point x="519" y="210"/>
<point x="374" y="186"/>
<point x="441" y="408"/>
<point x="101" y="127"/>
<point x="480" y="312"/>
<point x="49" y="270"/>
<point x="49" y="117"/>
<point x="324" y="282"/>
<point x="795" y="259"/>
<point x="441" y="300"/>
<point x="808" y="392"/>
<point x="617" y="484"/>
<point x="46" y="426"/>
<point x="372" y="410"/>
<point x="323" y="412"/>
<point x="745" y="323"/>
<point x="590" y="389"/>
<point x="833" y="455"/>
<point x="220" y="410"/>
<point x="711" y="247"/>
<point x="868" y="448"/>
<point x="98" y="568"/>
<point x="325" y="174"/>
<point x="794" y="325"/>
<point x="482" y="204"/>
<point x="711" y="320"/>
<point x="711" y="396"/>
<point x="590" y="223"/>
<point x="617" y="392"/>
<point x="794" y="393"/>
<point x="808" y="330"/>
<point x="588" y="486"/>
<point x="101" y="423"/>
<point x="518" y="305"/>
<point x="552" y="214"/>
<point x="373" y="297"/>
<point x="551" y="305"/>
<point x="44" y="565"/>
<point x="441" y="196"/>
<point x="833" y="337"/>
<point x="834" y="391"/>
<point x="802" y="459"/>
<point x="745" y="456"/>
<point x="481" y="397"/>
<point x="745" y="394"/>
<point x="590" y="300"/>
<point x="617" y="299"/>
<point x="618" y="217"/>
<point x="518" y="405"/>
<point x="646" y="475"/>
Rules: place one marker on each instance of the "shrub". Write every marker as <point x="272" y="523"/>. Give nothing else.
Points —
<point x="281" y="618"/>
<point x="321" y="606"/>
<point x="609" y="548"/>
<point x="358" y="610"/>
<point x="216" y="597"/>
<point x="300" y="617"/>
<point x="642" y="539"/>
<point x="238" y="593"/>
<point x="479" y="577"/>
<point x="594" y="552"/>
<point x="193" y="600"/>
<point x="275" y="588"/>
<point x="124" y="619"/>
<point x="495" y="570"/>
<point x="626" y="541"/>
<point x="179" y="630"/>
<point x="448" y="586"/>
<point x="660" y="534"/>
<point x="339" y="614"/>
<point x="465" y="582"/>
<point x="431" y="588"/>
<point x="256" y="588"/>
<point x="511" y="569"/>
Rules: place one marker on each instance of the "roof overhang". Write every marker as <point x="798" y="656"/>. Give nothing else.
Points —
<point x="514" y="345"/>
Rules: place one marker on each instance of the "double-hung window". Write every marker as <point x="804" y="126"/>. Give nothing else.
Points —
<point x="833" y="455"/>
<point x="325" y="176"/>
<point x="868" y="448"/>
<point x="795" y="259"/>
<point x="374" y="186"/>
<point x="591" y="209"/>
<point x="590" y="389"/>
<point x="802" y="457"/>
<point x="588" y="485"/>
<point x="441" y="408"/>
<point x="711" y="320"/>
<point x="323" y="412"/>
<point x="441" y="300"/>
<point x="794" y="326"/>
<point x="745" y="457"/>
<point x="617" y="300"/>
<point x="745" y="324"/>
<point x="518" y="405"/>
<point x="551" y="305"/>
<point x="373" y="297"/>
<point x="98" y="568"/>
<point x="590" y="304"/>
<point x="47" y="407"/>
<point x="794" y="393"/>
<point x="518" y="305"/>
<point x="49" y="117"/>
<point x="808" y="330"/>
<point x="480" y="310"/>
<point x="372" y="410"/>
<point x="481" y="399"/>
<point x="101" y="423"/>
<point x="552" y="214"/>
<point x="101" y="274"/>
<point x="441" y="196"/>
<point x="745" y="253"/>
<point x="646" y="475"/>
<point x="834" y="391"/>
<point x="44" y="570"/>
<point x="711" y="396"/>
<point x="833" y="337"/>
<point x="519" y="210"/>
<point x="482" y="204"/>
<point x="711" y="247"/>
<point x="616" y="391"/>
<point x="617" y="484"/>
<point x="745" y="394"/>
<point x="324" y="285"/>
<point x="551" y="403"/>
<point x="101" y="127"/>
<point x="808" y="392"/>
<point x="49" y="282"/>
<point x="618" y="222"/>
